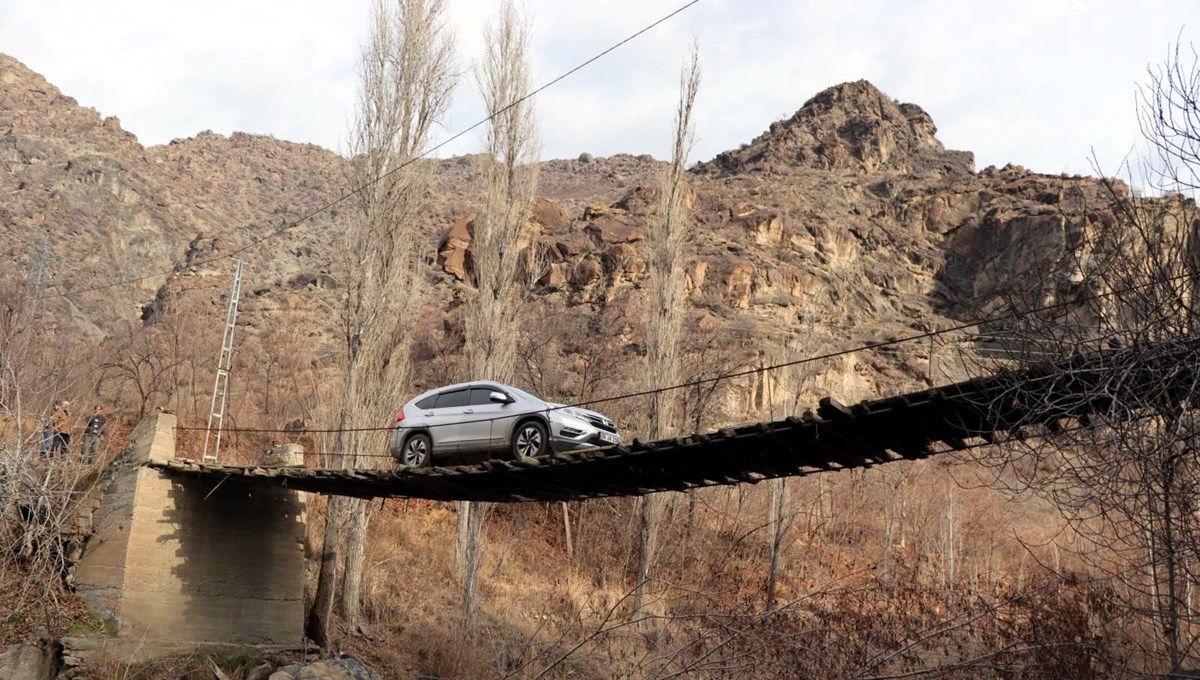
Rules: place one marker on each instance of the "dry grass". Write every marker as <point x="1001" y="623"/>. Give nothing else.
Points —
<point x="847" y="592"/>
<point x="844" y="597"/>
<point x="967" y="563"/>
<point x="196" y="667"/>
<point x="19" y="617"/>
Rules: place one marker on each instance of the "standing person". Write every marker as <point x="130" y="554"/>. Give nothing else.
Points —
<point x="48" y="430"/>
<point x="62" y="429"/>
<point x="93" y="430"/>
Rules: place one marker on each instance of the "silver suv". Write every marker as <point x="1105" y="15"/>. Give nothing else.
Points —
<point x="487" y="417"/>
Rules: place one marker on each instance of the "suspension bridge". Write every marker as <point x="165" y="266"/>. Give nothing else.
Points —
<point x="1033" y="401"/>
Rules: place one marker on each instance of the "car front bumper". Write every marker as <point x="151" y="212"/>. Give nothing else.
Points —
<point x="568" y="433"/>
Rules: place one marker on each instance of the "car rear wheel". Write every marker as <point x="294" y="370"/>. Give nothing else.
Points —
<point x="416" y="451"/>
<point x="530" y="439"/>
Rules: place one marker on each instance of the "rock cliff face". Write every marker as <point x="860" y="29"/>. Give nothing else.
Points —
<point x="845" y="223"/>
<point x="82" y="181"/>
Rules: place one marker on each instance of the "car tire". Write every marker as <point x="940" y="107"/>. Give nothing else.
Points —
<point x="530" y="439"/>
<point x="417" y="450"/>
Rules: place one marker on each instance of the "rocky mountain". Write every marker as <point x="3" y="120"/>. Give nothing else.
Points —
<point x="847" y="222"/>
<point x="853" y="126"/>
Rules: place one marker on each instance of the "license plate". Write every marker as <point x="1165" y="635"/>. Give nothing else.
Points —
<point x="608" y="437"/>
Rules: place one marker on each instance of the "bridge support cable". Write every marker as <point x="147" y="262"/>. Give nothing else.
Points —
<point x="216" y="411"/>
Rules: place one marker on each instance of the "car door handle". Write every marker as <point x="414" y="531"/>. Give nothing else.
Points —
<point x="429" y="414"/>
<point x="470" y="410"/>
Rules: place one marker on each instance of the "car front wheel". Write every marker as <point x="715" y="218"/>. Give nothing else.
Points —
<point x="530" y="439"/>
<point x="416" y="452"/>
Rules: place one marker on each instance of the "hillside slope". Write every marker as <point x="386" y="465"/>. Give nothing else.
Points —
<point x="847" y="222"/>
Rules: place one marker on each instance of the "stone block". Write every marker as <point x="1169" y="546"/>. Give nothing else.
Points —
<point x="285" y="455"/>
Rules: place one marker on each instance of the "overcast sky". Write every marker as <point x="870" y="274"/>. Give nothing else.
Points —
<point x="1034" y="82"/>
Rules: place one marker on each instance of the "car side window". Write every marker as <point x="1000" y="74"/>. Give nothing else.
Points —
<point x="451" y="399"/>
<point x="427" y="402"/>
<point x="482" y="396"/>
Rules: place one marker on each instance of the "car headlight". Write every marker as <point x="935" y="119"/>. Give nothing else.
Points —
<point x="567" y="419"/>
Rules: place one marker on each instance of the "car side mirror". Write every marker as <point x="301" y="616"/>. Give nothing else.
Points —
<point x="500" y="398"/>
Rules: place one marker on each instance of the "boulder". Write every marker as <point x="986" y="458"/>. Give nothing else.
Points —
<point x="345" y="668"/>
<point x="558" y="275"/>
<point x="30" y="661"/>
<point x="260" y="672"/>
<point x="571" y="245"/>
<point x="609" y="229"/>
<point x="587" y="272"/>
<point x="591" y="212"/>
<point x="624" y="260"/>
<point x="454" y="256"/>
<point x="457" y="263"/>
<point x="641" y="200"/>
<point x="548" y="215"/>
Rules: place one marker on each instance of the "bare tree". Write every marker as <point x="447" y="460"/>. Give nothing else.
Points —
<point x="407" y="76"/>
<point x="39" y="492"/>
<point x="664" y="327"/>
<point x="186" y="348"/>
<point x="1126" y="473"/>
<point x="137" y="361"/>
<point x="24" y="391"/>
<point x="787" y="392"/>
<point x="509" y="170"/>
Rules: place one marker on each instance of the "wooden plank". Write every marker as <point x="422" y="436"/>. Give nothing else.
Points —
<point x="834" y="446"/>
<point x="832" y="409"/>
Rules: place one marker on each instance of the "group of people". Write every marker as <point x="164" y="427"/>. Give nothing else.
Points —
<point x="56" y="432"/>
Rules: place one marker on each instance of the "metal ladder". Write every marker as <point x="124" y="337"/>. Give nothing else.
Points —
<point x="216" y="412"/>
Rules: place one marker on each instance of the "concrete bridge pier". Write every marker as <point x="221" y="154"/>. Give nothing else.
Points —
<point x="177" y="564"/>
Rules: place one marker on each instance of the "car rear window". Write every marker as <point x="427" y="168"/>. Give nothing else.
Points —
<point x="427" y="402"/>
<point x="448" y="399"/>
<point x="481" y="396"/>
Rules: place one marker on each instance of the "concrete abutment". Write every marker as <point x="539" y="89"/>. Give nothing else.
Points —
<point x="178" y="564"/>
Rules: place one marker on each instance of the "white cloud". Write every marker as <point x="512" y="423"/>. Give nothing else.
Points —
<point x="1030" y="82"/>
